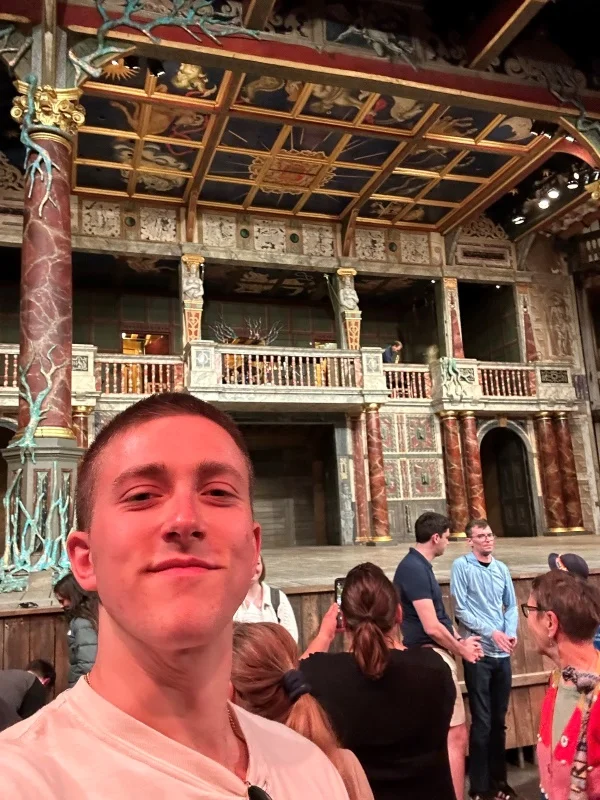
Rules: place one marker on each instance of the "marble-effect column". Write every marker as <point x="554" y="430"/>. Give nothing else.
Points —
<point x="568" y="472"/>
<point x="452" y="327"/>
<point x="360" y="481"/>
<point x="379" y="505"/>
<point x="472" y="464"/>
<point x="458" y="507"/>
<point x="551" y="480"/>
<point x="81" y="429"/>
<point x="531" y="353"/>
<point x="47" y="295"/>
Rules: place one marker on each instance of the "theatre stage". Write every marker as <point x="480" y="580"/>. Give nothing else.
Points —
<point x="297" y="570"/>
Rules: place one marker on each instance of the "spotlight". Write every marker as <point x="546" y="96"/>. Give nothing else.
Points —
<point x="544" y="203"/>
<point x="543" y="129"/>
<point x="156" y="67"/>
<point x="132" y="62"/>
<point x="576" y="175"/>
<point x="114" y="62"/>
<point x="432" y="280"/>
<point x="572" y="182"/>
<point x="518" y="219"/>
<point x="553" y="193"/>
<point x="570" y="138"/>
<point x="497" y="286"/>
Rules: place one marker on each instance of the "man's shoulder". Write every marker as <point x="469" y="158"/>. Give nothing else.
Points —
<point x="411" y="560"/>
<point x="39" y="727"/>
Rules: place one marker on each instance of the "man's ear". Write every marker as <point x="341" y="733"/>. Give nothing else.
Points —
<point x="80" y="556"/>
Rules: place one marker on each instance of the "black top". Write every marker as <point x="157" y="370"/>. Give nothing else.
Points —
<point x="415" y="580"/>
<point x="396" y="726"/>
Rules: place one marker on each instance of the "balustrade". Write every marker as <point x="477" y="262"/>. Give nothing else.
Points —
<point x="290" y="368"/>
<point x="138" y="374"/>
<point x="9" y="362"/>
<point x="406" y="382"/>
<point x="509" y="381"/>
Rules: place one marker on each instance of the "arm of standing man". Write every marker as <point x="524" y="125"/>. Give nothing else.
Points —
<point x="511" y="610"/>
<point x="469" y="649"/>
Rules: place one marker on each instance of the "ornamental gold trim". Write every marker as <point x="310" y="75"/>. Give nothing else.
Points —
<point x="53" y="108"/>
<point x="53" y="432"/>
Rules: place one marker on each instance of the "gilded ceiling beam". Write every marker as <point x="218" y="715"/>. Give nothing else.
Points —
<point x="501" y="27"/>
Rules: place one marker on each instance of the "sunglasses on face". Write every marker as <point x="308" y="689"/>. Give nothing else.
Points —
<point x="256" y="793"/>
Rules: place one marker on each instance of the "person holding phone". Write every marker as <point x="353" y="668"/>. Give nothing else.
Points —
<point x="390" y="706"/>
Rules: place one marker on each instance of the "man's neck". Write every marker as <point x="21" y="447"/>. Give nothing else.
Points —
<point x="426" y="550"/>
<point x="485" y="559"/>
<point x="582" y="656"/>
<point x="182" y="695"/>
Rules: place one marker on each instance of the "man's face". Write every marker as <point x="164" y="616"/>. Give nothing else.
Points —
<point x="172" y="542"/>
<point x="441" y="542"/>
<point x="542" y="627"/>
<point x="482" y="542"/>
<point x="396" y="348"/>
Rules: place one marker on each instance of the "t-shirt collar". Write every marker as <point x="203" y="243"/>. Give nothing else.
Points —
<point x="421" y="556"/>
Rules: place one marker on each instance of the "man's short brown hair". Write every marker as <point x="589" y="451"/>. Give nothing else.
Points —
<point x="475" y="523"/>
<point x="575" y="601"/>
<point x="170" y="404"/>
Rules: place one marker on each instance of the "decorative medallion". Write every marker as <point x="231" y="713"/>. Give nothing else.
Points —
<point x="289" y="175"/>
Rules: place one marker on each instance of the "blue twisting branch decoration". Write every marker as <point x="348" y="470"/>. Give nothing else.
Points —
<point x="42" y="164"/>
<point x="26" y="442"/>
<point x="18" y="48"/>
<point x="185" y="14"/>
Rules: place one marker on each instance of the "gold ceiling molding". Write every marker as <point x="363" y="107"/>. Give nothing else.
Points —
<point x="483" y="228"/>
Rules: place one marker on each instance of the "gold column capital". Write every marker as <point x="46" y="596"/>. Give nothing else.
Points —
<point x="372" y="407"/>
<point x="447" y="414"/>
<point x="192" y="260"/>
<point x="542" y="415"/>
<point x="560" y="415"/>
<point x="463" y="414"/>
<point x="53" y="108"/>
<point x="85" y="410"/>
<point x="346" y="272"/>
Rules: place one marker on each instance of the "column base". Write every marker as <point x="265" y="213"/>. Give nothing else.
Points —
<point x="568" y="532"/>
<point x="380" y="539"/>
<point x="455" y="536"/>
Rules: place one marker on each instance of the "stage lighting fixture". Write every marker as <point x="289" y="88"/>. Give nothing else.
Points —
<point x="553" y="193"/>
<point x="156" y="67"/>
<point x="518" y="219"/>
<point x="132" y="62"/>
<point x="572" y="183"/>
<point x="544" y="203"/>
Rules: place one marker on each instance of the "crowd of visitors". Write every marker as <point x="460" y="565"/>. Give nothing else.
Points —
<point x="170" y="696"/>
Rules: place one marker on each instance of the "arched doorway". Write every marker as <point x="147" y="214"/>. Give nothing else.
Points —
<point x="507" y="484"/>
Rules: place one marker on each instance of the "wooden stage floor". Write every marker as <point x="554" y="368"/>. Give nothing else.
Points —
<point x="301" y="569"/>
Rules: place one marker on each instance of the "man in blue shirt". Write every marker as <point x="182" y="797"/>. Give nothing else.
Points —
<point x="425" y="623"/>
<point x="486" y="605"/>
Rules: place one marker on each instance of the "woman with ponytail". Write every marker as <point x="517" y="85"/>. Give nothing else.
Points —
<point x="266" y="681"/>
<point x="390" y="706"/>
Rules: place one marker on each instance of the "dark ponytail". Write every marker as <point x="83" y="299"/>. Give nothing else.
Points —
<point x="369" y="603"/>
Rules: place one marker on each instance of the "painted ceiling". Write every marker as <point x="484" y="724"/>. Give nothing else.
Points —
<point x="295" y="148"/>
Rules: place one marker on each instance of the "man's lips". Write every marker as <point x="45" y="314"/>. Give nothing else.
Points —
<point x="182" y="564"/>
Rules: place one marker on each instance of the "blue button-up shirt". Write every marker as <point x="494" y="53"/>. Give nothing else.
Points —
<point x="484" y="600"/>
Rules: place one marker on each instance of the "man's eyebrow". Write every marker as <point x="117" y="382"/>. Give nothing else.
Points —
<point x="144" y="471"/>
<point x="211" y="469"/>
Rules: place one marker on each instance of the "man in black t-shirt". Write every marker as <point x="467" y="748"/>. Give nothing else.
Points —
<point x="426" y="624"/>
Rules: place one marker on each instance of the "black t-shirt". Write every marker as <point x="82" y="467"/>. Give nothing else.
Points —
<point x="415" y="580"/>
<point x="396" y="726"/>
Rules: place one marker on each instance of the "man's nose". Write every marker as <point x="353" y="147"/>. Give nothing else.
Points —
<point x="184" y="519"/>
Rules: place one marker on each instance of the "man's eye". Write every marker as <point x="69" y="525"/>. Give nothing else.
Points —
<point x="140" y="496"/>
<point x="220" y="493"/>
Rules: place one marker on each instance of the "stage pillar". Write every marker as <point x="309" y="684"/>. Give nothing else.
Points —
<point x="360" y="482"/>
<point x="348" y="313"/>
<point x="191" y="278"/>
<point x="568" y="473"/>
<point x="556" y="520"/>
<point x="472" y="465"/>
<point x="81" y="418"/>
<point x="530" y="350"/>
<point x="458" y="508"/>
<point x="379" y="506"/>
<point x="452" y="330"/>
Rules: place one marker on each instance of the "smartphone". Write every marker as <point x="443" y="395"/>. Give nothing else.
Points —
<point x="338" y="587"/>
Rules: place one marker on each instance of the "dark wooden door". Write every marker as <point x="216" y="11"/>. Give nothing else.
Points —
<point x="514" y="487"/>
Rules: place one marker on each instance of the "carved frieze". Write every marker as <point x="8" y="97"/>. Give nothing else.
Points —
<point x="318" y="240"/>
<point x="370" y="244"/>
<point x="269" y="235"/>
<point x="100" y="219"/>
<point x="554" y="376"/>
<point x="158" y="224"/>
<point x="414" y="248"/>
<point x="219" y="230"/>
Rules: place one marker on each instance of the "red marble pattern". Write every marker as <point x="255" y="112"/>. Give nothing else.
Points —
<point x="379" y="505"/>
<point x="360" y="481"/>
<point x="531" y="352"/>
<point x="549" y="468"/>
<point x="46" y="291"/>
<point x="473" y="473"/>
<point x="570" y="487"/>
<point x="455" y="329"/>
<point x="458" y="508"/>
<point x="81" y="428"/>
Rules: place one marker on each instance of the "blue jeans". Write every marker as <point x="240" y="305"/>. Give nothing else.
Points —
<point x="488" y="685"/>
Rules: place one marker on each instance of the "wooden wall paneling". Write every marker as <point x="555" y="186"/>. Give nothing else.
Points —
<point x="61" y="652"/>
<point x="16" y="642"/>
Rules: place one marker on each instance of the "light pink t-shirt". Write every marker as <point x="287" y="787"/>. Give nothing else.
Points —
<point x="81" y="746"/>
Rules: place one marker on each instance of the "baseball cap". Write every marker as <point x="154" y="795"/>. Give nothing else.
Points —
<point x="569" y="562"/>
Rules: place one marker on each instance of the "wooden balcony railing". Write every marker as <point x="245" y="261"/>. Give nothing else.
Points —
<point x="9" y="361"/>
<point x="508" y="381"/>
<point x="408" y="382"/>
<point x="117" y="374"/>
<point x="290" y="368"/>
